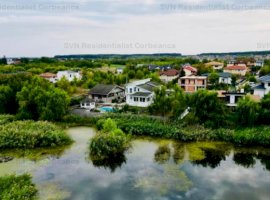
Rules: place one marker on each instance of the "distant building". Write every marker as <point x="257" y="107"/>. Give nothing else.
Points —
<point x="189" y="70"/>
<point x="237" y="69"/>
<point x="169" y="75"/>
<point x="259" y="63"/>
<point x="159" y="68"/>
<point x="264" y="87"/>
<point x="107" y="93"/>
<point x="232" y="98"/>
<point x="215" y="65"/>
<point x="13" y="61"/>
<point x="224" y="77"/>
<point x="120" y="70"/>
<point x="141" y="93"/>
<point x="69" y="75"/>
<point x="49" y="76"/>
<point x="88" y="103"/>
<point x="193" y="83"/>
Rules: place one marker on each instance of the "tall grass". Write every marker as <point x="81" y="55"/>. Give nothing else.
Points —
<point x="30" y="134"/>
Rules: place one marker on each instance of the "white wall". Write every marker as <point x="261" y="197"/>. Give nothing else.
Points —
<point x="225" y="80"/>
<point x="88" y="106"/>
<point x="69" y="76"/>
<point x="260" y="93"/>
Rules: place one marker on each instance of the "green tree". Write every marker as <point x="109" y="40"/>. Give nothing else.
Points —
<point x="208" y="108"/>
<point x="39" y="99"/>
<point x="213" y="78"/>
<point x="5" y="98"/>
<point x="265" y="110"/>
<point x="247" y="111"/>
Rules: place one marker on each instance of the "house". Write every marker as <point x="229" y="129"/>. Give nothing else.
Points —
<point x="49" y="76"/>
<point x="159" y="68"/>
<point x="237" y="69"/>
<point x="69" y="75"/>
<point x="259" y="63"/>
<point x="215" y="65"/>
<point x="13" y="61"/>
<point x="189" y="70"/>
<point x="264" y="87"/>
<point x="232" y="98"/>
<point x="224" y="77"/>
<point x="141" y="93"/>
<point x="120" y="70"/>
<point x="193" y="83"/>
<point x="107" y="93"/>
<point x="88" y="103"/>
<point x="168" y="75"/>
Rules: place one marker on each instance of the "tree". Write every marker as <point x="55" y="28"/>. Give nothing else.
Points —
<point x="213" y="78"/>
<point x="3" y="61"/>
<point x="40" y="100"/>
<point x="247" y="111"/>
<point x="5" y="98"/>
<point x="234" y="78"/>
<point x="208" y="108"/>
<point x="265" y="110"/>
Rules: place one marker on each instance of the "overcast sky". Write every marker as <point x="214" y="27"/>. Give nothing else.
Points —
<point x="53" y="27"/>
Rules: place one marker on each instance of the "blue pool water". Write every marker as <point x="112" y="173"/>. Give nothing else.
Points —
<point x="106" y="109"/>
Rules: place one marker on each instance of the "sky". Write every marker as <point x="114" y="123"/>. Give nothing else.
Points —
<point x="37" y="28"/>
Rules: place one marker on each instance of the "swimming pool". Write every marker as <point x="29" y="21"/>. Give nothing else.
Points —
<point x="106" y="109"/>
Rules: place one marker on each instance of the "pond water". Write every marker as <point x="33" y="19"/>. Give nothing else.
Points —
<point x="150" y="169"/>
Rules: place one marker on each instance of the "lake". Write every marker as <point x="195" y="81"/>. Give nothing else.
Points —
<point x="151" y="169"/>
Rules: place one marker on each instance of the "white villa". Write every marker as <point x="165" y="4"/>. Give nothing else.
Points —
<point x="69" y="75"/>
<point x="263" y="88"/>
<point x="88" y="104"/>
<point x="141" y="93"/>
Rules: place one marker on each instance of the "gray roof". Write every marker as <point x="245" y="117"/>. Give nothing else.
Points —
<point x="221" y="74"/>
<point x="141" y="94"/>
<point x="150" y="86"/>
<point x="88" y="100"/>
<point x="102" y="89"/>
<point x="259" y="87"/>
<point x="265" y="78"/>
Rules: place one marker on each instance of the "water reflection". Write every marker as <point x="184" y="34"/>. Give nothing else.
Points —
<point x="112" y="162"/>
<point x="246" y="160"/>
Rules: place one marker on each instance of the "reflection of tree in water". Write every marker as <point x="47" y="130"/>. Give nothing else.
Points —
<point x="111" y="162"/>
<point x="162" y="154"/>
<point x="246" y="160"/>
<point x="212" y="159"/>
<point x="265" y="160"/>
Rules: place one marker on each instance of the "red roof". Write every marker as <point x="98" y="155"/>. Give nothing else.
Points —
<point x="190" y="68"/>
<point x="48" y="75"/>
<point x="170" y="72"/>
<point x="236" y="67"/>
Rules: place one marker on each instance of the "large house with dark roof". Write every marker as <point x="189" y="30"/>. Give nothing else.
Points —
<point x="224" y="77"/>
<point x="141" y="93"/>
<point x="264" y="87"/>
<point x="107" y="93"/>
<point x="168" y="75"/>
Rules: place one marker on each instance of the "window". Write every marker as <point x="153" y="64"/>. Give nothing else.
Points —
<point x="148" y="99"/>
<point x="136" y="99"/>
<point x="142" y="99"/>
<point x="269" y="84"/>
<point x="130" y="90"/>
<point x="183" y="81"/>
<point x="130" y="98"/>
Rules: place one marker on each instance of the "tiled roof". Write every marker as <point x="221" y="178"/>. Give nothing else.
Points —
<point x="222" y="74"/>
<point x="265" y="78"/>
<point x="170" y="72"/>
<point x="236" y="67"/>
<point x="101" y="89"/>
<point x="259" y="87"/>
<point x="190" y="68"/>
<point x="48" y="75"/>
<point x="150" y="86"/>
<point x="88" y="100"/>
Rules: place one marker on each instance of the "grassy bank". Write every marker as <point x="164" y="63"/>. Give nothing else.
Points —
<point x="30" y="134"/>
<point x="17" y="187"/>
<point x="146" y="126"/>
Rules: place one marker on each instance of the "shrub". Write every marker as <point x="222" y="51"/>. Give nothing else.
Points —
<point x="6" y="118"/>
<point x="17" y="187"/>
<point x="29" y="134"/>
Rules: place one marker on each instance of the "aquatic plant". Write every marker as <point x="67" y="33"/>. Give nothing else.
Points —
<point x="17" y="187"/>
<point x="30" y="134"/>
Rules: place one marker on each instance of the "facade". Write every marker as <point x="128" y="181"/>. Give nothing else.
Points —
<point x="237" y="69"/>
<point x="140" y="93"/>
<point x="169" y="75"/>
<point x="193" y="83"/>
<point x="119" y="70"/>
<point x="69" y="75"/>
<point x="224" y="77"/>
<point x="88" y="104"/>
<point x="49" y="76"/>
<point x="232" y="98"/>
<point x="215" y="65"/>
<point x="13" y="61"/>
<point x="189" y="70"/>
<point x="107" y="93"/>
<point x="264" y="87"/>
